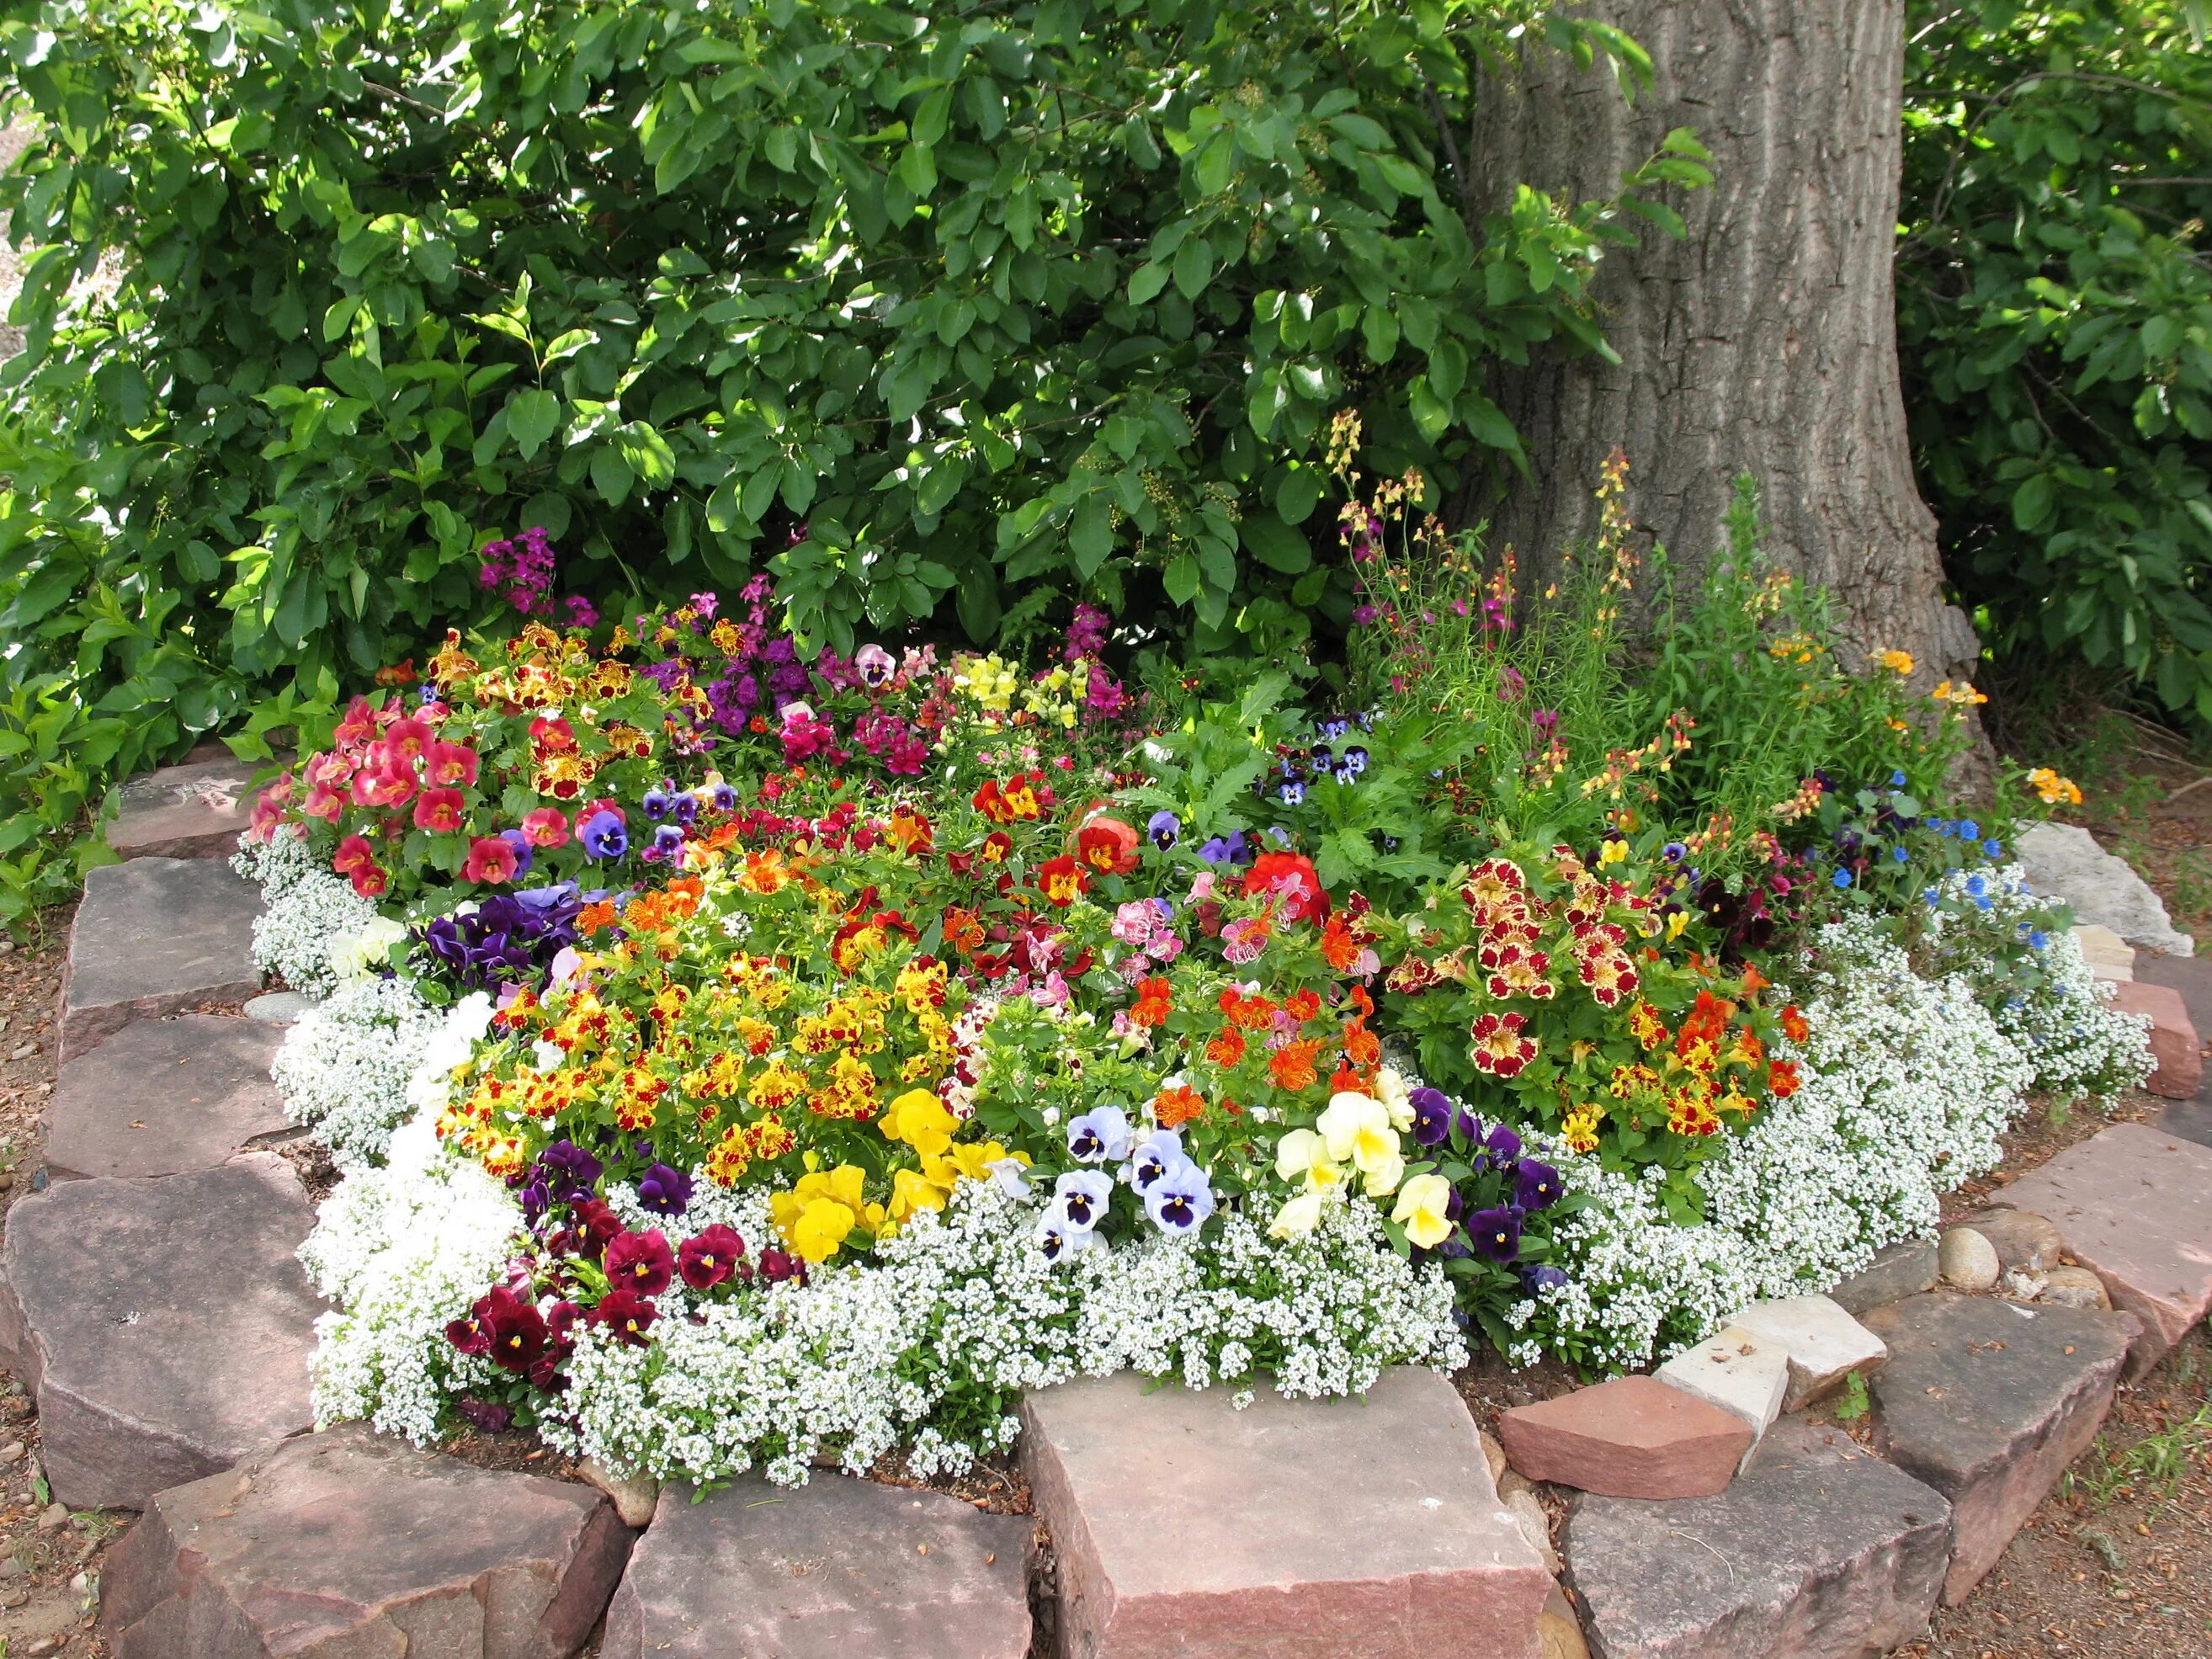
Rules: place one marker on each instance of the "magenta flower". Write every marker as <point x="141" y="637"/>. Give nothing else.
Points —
<point x="641" y="1262"/>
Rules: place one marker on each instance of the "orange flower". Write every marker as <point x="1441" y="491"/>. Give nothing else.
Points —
<point x="1253" y="1013"/>
<point x="1153" y="1001"/>
<point x="1108" y="846"/>
<point x="1753" y="981"/>
<point x="1361" y="1046"/>
<point x="1177" y="1105"/>
<point x="1291" y="1065"/>
<point x="910" y="832"/>
<point x="1062" y="880"/>
<point x="1781" y="1080"/>
<point x="593" y="918"/>
<point x="1793" y="1024"/>
<point x="1226" y="1049"/>
<point x="1302" y="1006"/>
<point x="964" y="931"/>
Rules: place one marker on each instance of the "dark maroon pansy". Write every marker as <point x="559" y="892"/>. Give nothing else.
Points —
<point x="596" y="1225"/>
<point x="626" y="1316"/>
<point x="641" y="1262"/>
<point x="710" y="1258"/>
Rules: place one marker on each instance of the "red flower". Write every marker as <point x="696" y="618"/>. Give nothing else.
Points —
<point x="627" y="1314"/>
<point x="545" y="827"/>
<point x="1793" y="1024"/>
<point x="1782" y="1080"/>
<point x="451" y="764"/>
<point x="1292" y="876"/>
<point x="370" y="883"/>
<point x="503" y="1326"/>
<point x="1154" y="999"/>
<point x="1499" y="1048"/>
<point x="354" y="854"/>
<point x="641" y="1262"/>
<point x="439" y="811"/>
<point x="1062" y="880"/>
<point x="491" y="861"/>
<point x="712" y="1257"/>
<point x="1108" y="846"/>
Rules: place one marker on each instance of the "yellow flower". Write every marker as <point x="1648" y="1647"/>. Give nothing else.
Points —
<point x="912" y="1190"/>
<point x="918" y="1118"/>
<point x="1356" y="1129"/>
<point x="2054" y="788"/>
<point x="1298" y="1218"/>
<point x="1580" y="1127"/>
<point x="1422" y="1203"/>
<point x="1302" y="1154"/>
<point x="1897" y="662"/>
<point x="818" y="1214"/>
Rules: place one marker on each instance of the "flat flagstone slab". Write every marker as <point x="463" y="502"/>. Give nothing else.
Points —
<point x="1819" y="1550"/>
<point x="836" y="1569"/>
<point x="162" y="1325"/>
<point x="1822" y="1343"/>
<point x="156" y="936"/>
<point x="195" y="811"/>
<point x="1293" y="1529"/>
<point x="2108" y="955"/>
<point x="1634" y="1436"/>
<point x="2134" y="1204"/>
<point x="344" y="1544"/>
<point x="1736" y="1370"/>
<point x="164" y="1096"/>
<point x="1904" y="1268"/>
<point x="1988" y="1401"/>
<point x="2064" y="860"/>
<point x="2191" y="975"/>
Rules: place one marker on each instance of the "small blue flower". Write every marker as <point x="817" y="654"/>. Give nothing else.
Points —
<point x="604" y="835"/>
<point x="1969" y="830"/>
<point x="1992" y="848"/>
<point x="1842" y="878"/>
<point x="2039" y="941"/>
<point x="1293" y="792"/>
<point x="656" y="803"/>
<point x="1897" y="779"/>
<point x="1180" y="1199"/>
<point x="1898" y="853"/>
<point x="1976" y="885"/>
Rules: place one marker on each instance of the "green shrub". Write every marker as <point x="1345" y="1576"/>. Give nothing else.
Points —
<point x="962" y="314"/>
<point x="2055" y="326"/>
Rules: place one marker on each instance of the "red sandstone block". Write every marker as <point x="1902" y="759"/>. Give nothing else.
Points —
<point x="2134" y="1204"/>
<point x="2173" y="1040"/>
<point x="1634" y="1437"/>
<point x="1293" y="1529"/>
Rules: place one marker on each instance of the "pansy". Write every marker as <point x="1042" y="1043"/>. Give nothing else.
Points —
<point x="712" y="1256"/>
<point x="1357" y="1130"/>
<point x="1079" y="1199"/>
<point x="1180" y="1199"/>
<point x="605" y="836"/>
<point x="1164" y="829"/>
<point x="1056" y="1241"/>
<point x="664" y="1190"/>
<point x="625" y="1315"/>
<point x="1432" y="1116"/>
<point x="640" y="1262"/>
<point x="1422" y="1210"/>
<point x="1161" y="1151"/>
<point x="1496" y="1234"/>
<point x="1101" y="1135"/>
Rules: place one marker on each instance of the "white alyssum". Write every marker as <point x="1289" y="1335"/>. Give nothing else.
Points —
<point x="345" y="1065"/>
<point x="304" y="910"/>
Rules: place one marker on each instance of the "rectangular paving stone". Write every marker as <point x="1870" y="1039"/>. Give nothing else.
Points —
<point x="2191" y="975"/>
<point x="2175" y="1047"/>
<point x="1293" y="1529"/>
<point x="164" y="1096"/>
<point x="1819" y="1550"/>
<point x="1904" y="1268"/>
<point x="156" y="936"/>
<point x="195" y="811"/>
<point x="837" y="1569"/>
<point x="1988" y="1401"/>
<point x="2134" y="1204"/>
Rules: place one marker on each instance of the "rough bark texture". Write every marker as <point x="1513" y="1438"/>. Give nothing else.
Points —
<point x="1765" y="341"/>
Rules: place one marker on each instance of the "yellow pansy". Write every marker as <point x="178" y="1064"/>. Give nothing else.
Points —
<point x="1299" y="1217"/>
<point x="1422" y="1205"/>
<point x="918" y="1118"/>
<point x="1302" y="1154"/>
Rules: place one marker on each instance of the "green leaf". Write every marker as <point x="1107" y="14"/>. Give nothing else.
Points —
<point x="1275" y="544"/>
<point x="1193" y="267"/>
<point x="532" y="417"/>
<point x="1090" y="536"/>
<point x="2031" y="502"/>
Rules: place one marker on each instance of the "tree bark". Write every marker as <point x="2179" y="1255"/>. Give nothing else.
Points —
<point x="1764" y="341"/>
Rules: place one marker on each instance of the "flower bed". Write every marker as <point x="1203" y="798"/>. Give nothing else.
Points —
<point x="742" y="1056"/>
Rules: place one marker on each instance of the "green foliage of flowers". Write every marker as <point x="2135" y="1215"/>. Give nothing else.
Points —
<point x="935" y="319"/>
<point x="2055" y="326"/>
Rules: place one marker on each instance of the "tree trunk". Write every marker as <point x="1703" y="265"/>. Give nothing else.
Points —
<point x="1765" y="341"/>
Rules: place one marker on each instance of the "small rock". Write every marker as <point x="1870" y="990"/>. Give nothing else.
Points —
<point x="1535" y="1527"/>
<point x="1560" y="1630"/>
<point x="277" y="1008"/>
<point x="14" y="1598"/>
<point x="1735" y="1370"/>
<point x="81" y="1584"/>
<point x="1634" y="1436"/>
<point x="1968" y="1260"/>
<point x="11" y="1568"/>
<point x="2025" y="1242"/>
<point x="1904" y="1268"/>
<point x="23" y="1051"/>
<point x="11" y="1451"/>
<point x="2074" y="1287"/>
<point x="1824" y="1344"/>
<point x="1493" y="1454"/>
<point x="635" y="1496"/>
<point x="44" y="1646"/>
<point x="53" y="1517"/>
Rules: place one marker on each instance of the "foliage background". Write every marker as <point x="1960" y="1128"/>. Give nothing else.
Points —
<point x="942" y="320"/>
<point x="2055" y="328"/>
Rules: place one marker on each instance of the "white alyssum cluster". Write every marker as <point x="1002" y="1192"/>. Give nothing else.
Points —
<point x="399" y="1250"/>
<point x="304" y="909"/>
<point x="345" y="1065"/>
<point x="2078" y="1045"/>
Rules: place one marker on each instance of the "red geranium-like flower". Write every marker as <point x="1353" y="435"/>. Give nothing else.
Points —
<point x="627" y="1314"/>
<point x="1062" y="880"/>
<point x="370" y="883"/>
<point x="547" y="826"/>
<point x="438" y="811"/>
<point x="641" y="1262"/>
<point x="1291" y="876"/>
<point x="450" y="763"/>
<point x="354" y="854"/>
<point x="1108" y="846"/>
<point x="712" y="1257"/>
<point x="1499" y="1048"/>
<point x="491" y="861"/>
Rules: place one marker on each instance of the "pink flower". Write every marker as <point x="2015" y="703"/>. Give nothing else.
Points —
<point x="491" y="861"/>
<point x="546" y="827"/>
<point x="322" y="803"/>
<point x="370" y="883"/>
<point x="451" y="762"/>
<point x="407" y="739"/>
<point x="439" y="811"/>
<point x="358" y="726"/>
<point x="1133" y="922"/>
<point x="354" y="854"/>
<point x="388" y="786"/>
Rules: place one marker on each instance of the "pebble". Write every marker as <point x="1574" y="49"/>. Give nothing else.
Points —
<point x="53" y="1517"/>
<point x="23" y="1051"/>
<point x="11" y="1451"/>
<point x="11" y="1568"/>
<point x="1968" y="1260"/>
<point x="14" y="1598"/>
